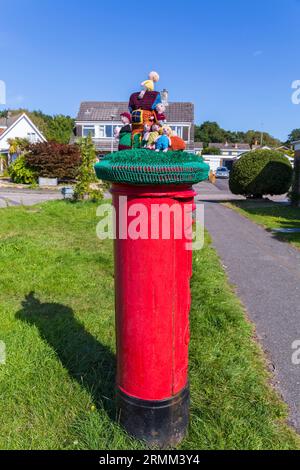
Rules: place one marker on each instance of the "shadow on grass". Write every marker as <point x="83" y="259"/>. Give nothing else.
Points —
<point x="88" y="361"/>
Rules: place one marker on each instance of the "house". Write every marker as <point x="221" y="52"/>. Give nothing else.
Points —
<point x="231" y="150"/>
<point x="99" y="118"/>
<point x="19" y="126"/>
<point x="228" y="153"/>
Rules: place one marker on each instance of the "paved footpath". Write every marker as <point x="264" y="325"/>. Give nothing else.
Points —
<point x="266" y="273"/>
<point x="26" y="197"/>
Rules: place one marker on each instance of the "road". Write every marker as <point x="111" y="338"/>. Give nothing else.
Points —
<point x="26" y="197"/>
<point x="266" y="273"/>
<point x="222" y="184"/>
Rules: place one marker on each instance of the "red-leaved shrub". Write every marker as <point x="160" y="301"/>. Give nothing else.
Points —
<point x="53" y="160"/>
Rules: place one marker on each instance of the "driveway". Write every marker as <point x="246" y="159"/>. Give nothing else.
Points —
<point x="26" y="197"/>
<point x="266" y="273"/>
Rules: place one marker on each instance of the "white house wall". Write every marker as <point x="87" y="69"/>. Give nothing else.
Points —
<point x="214" y="161"/>
<point x="21" y="129"/>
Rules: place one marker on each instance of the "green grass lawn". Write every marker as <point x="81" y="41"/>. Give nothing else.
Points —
<point x="271" y="215"/>
<point x="57" y="320"/>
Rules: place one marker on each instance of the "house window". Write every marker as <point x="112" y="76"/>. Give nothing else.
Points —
<point x="178" y="130"/>
<point x="182" y="132"/>
<point x="32" y="137"/>
<point x="106" y="131"/>
<point x="88" y="130"/>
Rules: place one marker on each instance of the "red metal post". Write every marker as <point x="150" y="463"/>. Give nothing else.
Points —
<point x="152" y="285"/>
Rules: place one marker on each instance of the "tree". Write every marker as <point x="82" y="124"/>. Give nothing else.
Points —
<point x="294" y="135"/>
<point x="211" y="151"/>
<point x="261" y="172"/>
<point x="209" y="132"/>
<point x="255" y="137"/>
<point x="60" y="129"/>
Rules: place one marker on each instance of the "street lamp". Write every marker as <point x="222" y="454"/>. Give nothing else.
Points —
<point x="113" y="116"/>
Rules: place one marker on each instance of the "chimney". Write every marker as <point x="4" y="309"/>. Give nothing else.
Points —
<point x="165" y="97"/>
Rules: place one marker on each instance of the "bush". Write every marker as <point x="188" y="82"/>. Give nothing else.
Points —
<point x="20" y="172"/>
<point x="261" y="172"/>
<point x="211" y="151"/>
<point x="86" y="186"/>
<point x="53" y="160"/>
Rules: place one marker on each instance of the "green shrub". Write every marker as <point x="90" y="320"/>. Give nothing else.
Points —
<point x="211" y="151"/>
<point x="87" y="186"/>
<point x="20" y="172"/>
<point x="261" y="172"/>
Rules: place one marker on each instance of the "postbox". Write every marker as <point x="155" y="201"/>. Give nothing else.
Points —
<point x="152" y="312"/>
<point x="153" y="268"/>
<point x="153" y="201"/>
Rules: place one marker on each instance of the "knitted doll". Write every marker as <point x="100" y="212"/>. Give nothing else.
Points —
<point x="153" y="135"/>
<point x="125" y="132"/>
<point x="146" y="134"/>
<point x="160" y="116"/>
<point x="164" y="141"/>
<point x="148" y="85"/>
<point x="142" y="109"/>
<point x="177" y="143"/>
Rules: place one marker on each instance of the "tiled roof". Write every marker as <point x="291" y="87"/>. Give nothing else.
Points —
<point x="103" y="111"/>
<point x="9" y="122"/>
<point x="227" y="146"/>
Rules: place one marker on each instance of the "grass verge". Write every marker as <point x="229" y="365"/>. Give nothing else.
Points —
<point x="271" y="215"/>
<point x="57" y="321"/>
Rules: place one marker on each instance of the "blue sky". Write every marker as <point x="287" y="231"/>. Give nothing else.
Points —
<point x="236" y="60"/>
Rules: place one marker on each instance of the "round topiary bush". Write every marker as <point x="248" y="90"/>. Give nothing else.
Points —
<point x="261" y="172"/>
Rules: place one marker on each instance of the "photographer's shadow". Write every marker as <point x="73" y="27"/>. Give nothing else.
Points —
<point x="86" y="359"/>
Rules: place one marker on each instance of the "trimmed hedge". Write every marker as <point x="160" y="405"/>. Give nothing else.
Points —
<point x="53" y="160"/>
<point x="261" y="172"/>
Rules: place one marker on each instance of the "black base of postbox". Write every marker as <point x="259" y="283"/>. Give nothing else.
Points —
<point x="161" y="423"/>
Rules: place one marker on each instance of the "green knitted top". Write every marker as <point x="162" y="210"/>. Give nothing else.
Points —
<point x="145" y="167"/>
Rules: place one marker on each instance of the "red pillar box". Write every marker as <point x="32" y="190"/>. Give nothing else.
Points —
<point x="153" y="266"/>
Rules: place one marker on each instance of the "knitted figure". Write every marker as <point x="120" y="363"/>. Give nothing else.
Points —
<point x="125" y="132"/>
<point x="143" y="112"/>
<point x="153" y="135"/>
<point x="177" y="143"/>
<point x="142" y="108"/>
<point x="164" y="141"/>
<point x="146" y="134"/>
<point x="136" y="140"/>
<point x="149" y="84"/>
<point x="160" y="116"/>
<point x="148" y="103"/>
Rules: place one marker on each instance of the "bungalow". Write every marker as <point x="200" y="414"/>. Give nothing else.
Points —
<point x="17" y="126"/>
<point x="228" y="153"/>
<point x="99" y="118"/>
